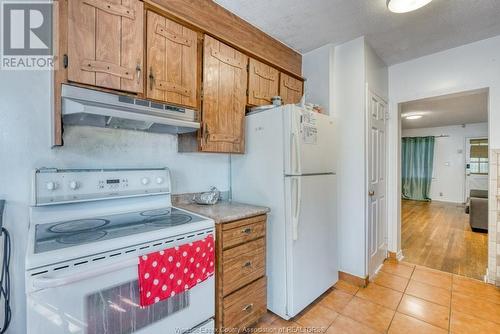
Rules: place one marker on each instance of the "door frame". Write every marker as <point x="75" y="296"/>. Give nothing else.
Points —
<point x="368" y="93"/>
<point x="466" y="157"/>
<point x="394" y="160"/>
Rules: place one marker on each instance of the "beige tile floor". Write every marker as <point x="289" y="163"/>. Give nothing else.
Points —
<point x="402" y="298"/>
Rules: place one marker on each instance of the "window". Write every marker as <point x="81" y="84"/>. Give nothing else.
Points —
<point x="478" y="156"/>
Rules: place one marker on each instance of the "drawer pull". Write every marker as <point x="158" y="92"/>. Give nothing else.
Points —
<point x="247" y="264"/>
<point x="247" y="308"/>
<point x="247" y="230"/>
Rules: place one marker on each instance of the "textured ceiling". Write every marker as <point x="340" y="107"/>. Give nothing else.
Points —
<point x="456" y="109"/>
<point x="308" y="24"/>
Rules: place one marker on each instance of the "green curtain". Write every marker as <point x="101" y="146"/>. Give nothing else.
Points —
<point x="417" y="161"/>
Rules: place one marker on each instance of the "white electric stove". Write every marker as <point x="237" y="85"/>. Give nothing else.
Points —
<point x="87" y="230"/>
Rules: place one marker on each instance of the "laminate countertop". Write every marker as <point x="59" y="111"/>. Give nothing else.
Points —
<point x="223" y="211"/>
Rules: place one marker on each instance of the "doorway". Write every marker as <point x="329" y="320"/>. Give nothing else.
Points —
<point x="476" y="163"/>
<point x="444" y="182"/>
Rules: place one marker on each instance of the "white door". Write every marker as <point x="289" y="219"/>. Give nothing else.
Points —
<point x="476" y="171"/>
<point x="376" y="182"/>
<point x="311" y="251"/>
<point x="309" y="142"/>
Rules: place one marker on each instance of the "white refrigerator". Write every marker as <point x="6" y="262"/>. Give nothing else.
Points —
<point x="289" y="165"/>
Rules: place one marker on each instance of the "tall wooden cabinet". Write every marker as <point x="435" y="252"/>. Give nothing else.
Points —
<point x="224" y="98"/>
<point x="105" y="43"/>
<point x="172" y="61"/>
<point x="263" y="83"/>
<point x="291" y="89"/>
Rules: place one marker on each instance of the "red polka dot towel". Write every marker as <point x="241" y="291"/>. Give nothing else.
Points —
<point x="168" y="272"/>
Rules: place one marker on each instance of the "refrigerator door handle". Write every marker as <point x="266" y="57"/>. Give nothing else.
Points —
<point x="296" y="166"/>
<point x="296" y="208"/>
<point x="296" y="131"/>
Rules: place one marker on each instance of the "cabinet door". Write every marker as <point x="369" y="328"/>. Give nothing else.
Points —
<point x="262" y="83"/>
<point x="224" y="98"/>
<point x="105" y="43"/>
<point x="172" y="61"/>
<point x="291" y="89"/>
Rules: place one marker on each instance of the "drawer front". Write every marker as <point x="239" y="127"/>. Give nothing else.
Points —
<point x="243" y="233"/>
<point x="246" y="306"/>
<point x="242" y="265"/>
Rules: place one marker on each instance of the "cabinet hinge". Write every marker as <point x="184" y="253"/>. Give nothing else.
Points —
<point x="201" y="92"/>
<point x="248" y="67"/>
<point x="65" y="61"/>
<point x="247" y="92"/>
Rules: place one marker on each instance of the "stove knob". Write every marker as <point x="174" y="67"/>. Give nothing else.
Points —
<point x="74" y="185"/>
<point x="159" y="180"/>
<point x="51" y="185"/>
<point x="145" y="181"/>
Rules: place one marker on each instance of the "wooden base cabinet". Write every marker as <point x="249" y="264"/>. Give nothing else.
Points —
<point x="241" y="297"/>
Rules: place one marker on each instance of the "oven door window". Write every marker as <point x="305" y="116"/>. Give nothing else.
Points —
<point x="117" y="310"/>
<point x="109" y="303"/>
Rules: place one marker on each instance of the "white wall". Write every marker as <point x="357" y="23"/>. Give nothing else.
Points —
<point x="468" y="67"/>
<point x="317" y="68"/>
<point x="349" y="92"/>
<point x="25" y="144"/>
<point x="448" y="177"/>
<point x="355" y="66"/>
<point x="377" y="75"/>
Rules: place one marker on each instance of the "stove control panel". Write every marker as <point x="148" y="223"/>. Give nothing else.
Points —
<point x="55" y="186"/>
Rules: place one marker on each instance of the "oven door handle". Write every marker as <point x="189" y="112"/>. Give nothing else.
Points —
<point x="47" y="282"/>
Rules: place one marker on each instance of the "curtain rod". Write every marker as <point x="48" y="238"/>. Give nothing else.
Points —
<point x="440" y="136"/>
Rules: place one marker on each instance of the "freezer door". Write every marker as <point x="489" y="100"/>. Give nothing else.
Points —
<point x="310" y="239"/>
<point x="309" y="142"/>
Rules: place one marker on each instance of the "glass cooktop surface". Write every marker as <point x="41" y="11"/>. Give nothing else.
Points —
<point x="53" y="236"/>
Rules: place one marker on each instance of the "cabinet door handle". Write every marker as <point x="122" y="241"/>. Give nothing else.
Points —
<point x="247" y="264"/>
<point x="151" y="78"/>
<point x="247" y="308"/>
<point x="247" y="230"/>
<point x="138" y="70"/>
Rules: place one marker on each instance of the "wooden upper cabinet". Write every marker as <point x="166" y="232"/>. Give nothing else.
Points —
<point x="263" y="83"/>
<point x="105" y="43"/>
<point x="224" y="98"/>
<point x="291" y="89"/>
<point x="172" y="61"/>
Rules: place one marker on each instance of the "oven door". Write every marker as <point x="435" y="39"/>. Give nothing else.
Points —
<point x="105" y="299"/>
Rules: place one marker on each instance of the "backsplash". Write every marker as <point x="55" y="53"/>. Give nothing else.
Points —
<point x="188" y="197"/>
<point x="91" y="147"/>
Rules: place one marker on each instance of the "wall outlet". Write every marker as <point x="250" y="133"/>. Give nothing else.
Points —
<point x="441" y="194"/>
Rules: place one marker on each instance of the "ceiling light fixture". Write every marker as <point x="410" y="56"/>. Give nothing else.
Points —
<point x="411" y="117"/>
<point x="405" y="6"/>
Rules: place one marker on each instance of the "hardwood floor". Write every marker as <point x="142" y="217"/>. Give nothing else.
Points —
<point x="438" y="235"/>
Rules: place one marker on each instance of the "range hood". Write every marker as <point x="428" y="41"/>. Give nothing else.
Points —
<point x="82" y="106"/>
